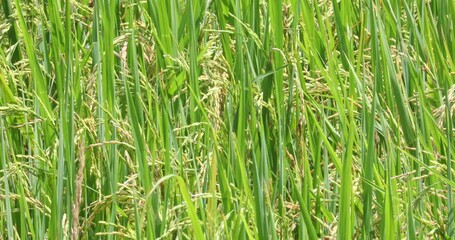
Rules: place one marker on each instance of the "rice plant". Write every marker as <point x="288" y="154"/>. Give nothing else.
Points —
<point x="227" y="119"/>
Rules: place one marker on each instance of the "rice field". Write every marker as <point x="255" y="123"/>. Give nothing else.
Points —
<point x="227" y="119"/>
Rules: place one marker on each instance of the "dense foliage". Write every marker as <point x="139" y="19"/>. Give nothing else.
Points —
<point x="227" y="119"/>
